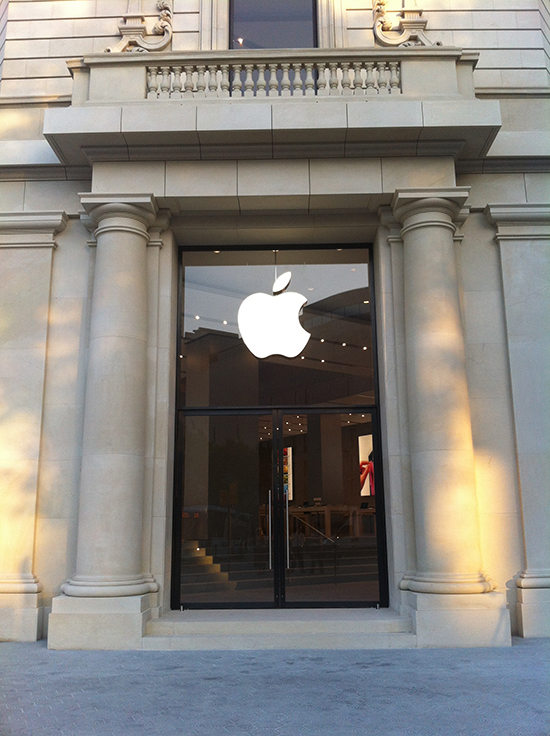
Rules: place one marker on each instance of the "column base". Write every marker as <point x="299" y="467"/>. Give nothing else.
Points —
<point x="99" y="623"/>
<point x="475" y="620"/>
<point x="20" y="617"/>
<point x="533" y="609"/>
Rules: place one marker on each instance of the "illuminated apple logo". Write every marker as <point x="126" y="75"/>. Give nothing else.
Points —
<point x="270" y="325"/>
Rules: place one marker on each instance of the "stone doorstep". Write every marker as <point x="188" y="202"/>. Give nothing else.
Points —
<point x="286" y="629"/>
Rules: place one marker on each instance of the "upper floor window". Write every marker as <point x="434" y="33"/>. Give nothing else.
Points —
<point x="273" y="24"/>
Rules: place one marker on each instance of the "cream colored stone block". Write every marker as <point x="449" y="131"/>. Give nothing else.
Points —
<point x="487" y="368"/>
<point x="21" y="123"/>
<point x="131" y="177"/>
<point x="160" y="123"/>
<point x="58" y="489"/>
<point x="517" y="143"/>
<point x="533" y="609"/>
<point x="186" y="22"/>
<point x="54" y="195"/>
<point x="26" y="152"/>
<point x="360" y="38"/>
<point x="11" y="195"/>
<point x="241" y="121"/>
<point x="345" y="176"/>
<point x="480" y="620"/>
<point x="478" y="253"/>
<point x="98" y="623"/>
<point x="425" y="78"/>
<point x="537" y="187"/>
<point x="185" y="42"/>
<point x="309" y="121"/>
<point x="20" y="617"/>
<point x="384" y="120"/>
<point x="273" y="184"/>
<point x="56" y="551"/>
<point x="493" y="188"/>
<point x="484" y="316"/>
<point x="405" y="172"/>
<point x="198" y="179"/>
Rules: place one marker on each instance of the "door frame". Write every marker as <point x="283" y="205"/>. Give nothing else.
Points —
<point x="278" y="486"/>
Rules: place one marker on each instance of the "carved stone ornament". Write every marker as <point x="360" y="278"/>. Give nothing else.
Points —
<point x="408" y="32"/>
<point x="134" y="31"/>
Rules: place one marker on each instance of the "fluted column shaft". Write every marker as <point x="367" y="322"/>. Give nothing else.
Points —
<point x="112" y="478"/>
<point x="442" y="458"/>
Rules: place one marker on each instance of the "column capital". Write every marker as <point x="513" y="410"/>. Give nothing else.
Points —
<point x="141" y="207"/>
<point x="425" y="200"/>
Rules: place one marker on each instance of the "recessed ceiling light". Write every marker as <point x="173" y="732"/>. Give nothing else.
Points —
<point x="344" y="344"/>
<point x="303" y="357"/>
<point x="181" y="356"/>
<point x="197" y="316"/>
<point x="322" y="361"/>
<point x="322" y="339"/>
<point x="225" y="321"/>
<point x="216" y="251"/>
<point x="364" y="348"/>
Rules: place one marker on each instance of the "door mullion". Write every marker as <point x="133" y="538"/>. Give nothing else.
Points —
<point x="279" y="557"/>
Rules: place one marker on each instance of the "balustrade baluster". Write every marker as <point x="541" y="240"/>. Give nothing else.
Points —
<point x="322" y="89"/>
<point x="188" y="81"/>
<point x="371" y="89"/>
<point x="201" y="81"/>
<point x="223" y="90"/>
<point x="237" y="86"/>
<point x="249" y="80"/>
<point x="165" y="80"/>
<point x="383" y="88"/>
<point x="152" y="83"/>
<point x="357" y="79"/>
<point x="346" y="81"/>
<point x="212" y="80"/>
<point x="297" y="83"/>
<point x="273" y="81"/>
<point x="310" y="81"/>
<point x="334" y="78"/>
<point x="261" y="83"/>
<point x="394" y="78"/>
<point x="176" y="84"/>
<point x="285" y="81"/>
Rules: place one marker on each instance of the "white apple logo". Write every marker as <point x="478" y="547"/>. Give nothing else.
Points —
<point x="269" y="325"/>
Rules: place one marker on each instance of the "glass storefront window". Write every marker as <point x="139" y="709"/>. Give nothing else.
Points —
<point x="217" y="369"/>
<point x="263" y="24"/>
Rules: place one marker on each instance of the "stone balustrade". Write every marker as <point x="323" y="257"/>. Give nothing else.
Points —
<point x="271" y="78"/>
<point x="354" y="74"/>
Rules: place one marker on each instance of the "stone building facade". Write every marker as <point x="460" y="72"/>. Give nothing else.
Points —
<point x="141" y="139"/>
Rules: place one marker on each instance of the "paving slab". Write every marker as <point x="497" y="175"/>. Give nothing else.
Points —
<point x="442" y="692"/>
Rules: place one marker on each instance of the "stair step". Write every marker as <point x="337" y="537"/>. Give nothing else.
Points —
<point x="280" y="629"/>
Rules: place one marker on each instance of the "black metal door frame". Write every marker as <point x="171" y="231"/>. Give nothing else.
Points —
<point x="278" y="485"/>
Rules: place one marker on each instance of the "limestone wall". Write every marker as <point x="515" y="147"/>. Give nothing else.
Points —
<point x="513" y="37"/>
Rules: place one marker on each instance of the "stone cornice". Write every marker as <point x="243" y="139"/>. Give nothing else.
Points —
<point x="519" y="221"/>
<point x="31" y="229"/>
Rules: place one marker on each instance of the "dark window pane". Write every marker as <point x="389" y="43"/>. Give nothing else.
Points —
<point x="264" y="24"/>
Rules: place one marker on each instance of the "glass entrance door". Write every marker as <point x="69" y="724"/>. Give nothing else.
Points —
<point x="277" y="478"/>
<point x="279" y="510"/>
<point x="328" y="484"/>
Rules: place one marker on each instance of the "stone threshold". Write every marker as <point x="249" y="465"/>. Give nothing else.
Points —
<point x="354" y="628"/>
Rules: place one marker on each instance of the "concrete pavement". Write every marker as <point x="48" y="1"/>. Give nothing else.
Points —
<point x="452" y="692"/>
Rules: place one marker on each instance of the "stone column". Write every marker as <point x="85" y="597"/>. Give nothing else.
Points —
<point x="523" y="235"/>
<point x="108" y="564"/>
<point x="445" y="506"/>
